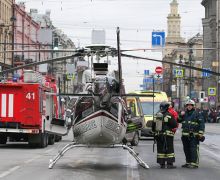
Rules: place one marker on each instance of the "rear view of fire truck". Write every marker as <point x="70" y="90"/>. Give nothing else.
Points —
<point x="26" y="110"/>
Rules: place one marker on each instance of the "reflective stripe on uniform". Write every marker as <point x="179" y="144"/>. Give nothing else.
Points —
<point x="171" y="155"/>
<point x="187" y="134"/>
<point x="201" y="132"/>
<point x="169" y="133"/>
<point x="194" y="164"/>
<point x="161" y="155"/>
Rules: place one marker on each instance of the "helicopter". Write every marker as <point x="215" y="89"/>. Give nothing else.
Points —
<point x="98" y="116"/>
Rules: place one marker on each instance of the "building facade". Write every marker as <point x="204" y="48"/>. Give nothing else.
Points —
<point x="211" y="36"/>
<point x="6" y="33"/>
<point x="26" y="36"/>
<point x="173" y="49"/>
<point x="53" y="38"/>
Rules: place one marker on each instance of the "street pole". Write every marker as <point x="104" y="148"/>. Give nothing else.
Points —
<point x="217" y="54"/>
<point x="13" y="19"/>
<point x="171" y="82"/>
<point x="180" y="82"/>
<point x="180" y="94"/>
<point x="4" y="57"/>
<point x="39" y="55"/>
<point x="153" y="95"/>
<point x="190" y="70"/>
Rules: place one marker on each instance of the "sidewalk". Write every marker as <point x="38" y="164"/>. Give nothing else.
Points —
<point x="212" y="128"/>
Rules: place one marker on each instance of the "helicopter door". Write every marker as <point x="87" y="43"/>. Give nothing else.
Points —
<point x="56" y="125"/>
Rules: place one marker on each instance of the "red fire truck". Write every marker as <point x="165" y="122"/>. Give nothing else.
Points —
<point x="27" y="108"/>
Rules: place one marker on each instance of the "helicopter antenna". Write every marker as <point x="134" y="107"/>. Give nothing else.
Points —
<point x="119" y="60"/>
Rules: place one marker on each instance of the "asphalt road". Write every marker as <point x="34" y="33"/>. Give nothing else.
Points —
<point x="19" y="162"/>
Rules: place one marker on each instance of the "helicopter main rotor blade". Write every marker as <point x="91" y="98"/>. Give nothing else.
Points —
<point x="166" y="48"/>
<point x="41" y="62"/>
<point x="40" y="50"/>
<point x="176" y="64"/>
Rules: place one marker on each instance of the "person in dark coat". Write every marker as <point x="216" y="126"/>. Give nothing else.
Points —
<point x="193" y="127"/>
<point x="165" y="137"/>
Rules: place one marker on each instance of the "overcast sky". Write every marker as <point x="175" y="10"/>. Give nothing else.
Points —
<point x="136" y="19"/>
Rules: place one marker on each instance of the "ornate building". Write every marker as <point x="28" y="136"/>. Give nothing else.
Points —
<point x="173" y="24"/>
<point x="178" y="51"/>
<point x="6" y="35"/>
<point x="173" y="48"/>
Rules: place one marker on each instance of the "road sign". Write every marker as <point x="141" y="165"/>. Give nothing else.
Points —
<point x="70" y="76"/>
<point x="158" y="76"/>
<point x="158" y="38"/>
<point x="146" y="72"/>
<point x="148" y="80"/>
<point x="211" y="91"/>
<point x="205" y="73"/>
<point x="212" y="98"/>
<point x="159" y="70"/>
<point x="173" y="88"/>
<point x="179" y="73"/>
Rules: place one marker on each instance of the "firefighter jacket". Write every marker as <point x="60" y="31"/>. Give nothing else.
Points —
<point x="192" y="123"/>
<point x="168" y="123"/>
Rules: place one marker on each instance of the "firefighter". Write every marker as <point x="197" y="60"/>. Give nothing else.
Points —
<point x="164" y="138"/>
<point x="193" y="127"/>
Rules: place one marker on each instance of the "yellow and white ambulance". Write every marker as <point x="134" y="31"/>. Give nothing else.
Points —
<point x="150" y="105"/>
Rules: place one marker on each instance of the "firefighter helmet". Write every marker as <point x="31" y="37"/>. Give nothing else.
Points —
<point x="190" y="102"/>
<point x="164" y="106"/>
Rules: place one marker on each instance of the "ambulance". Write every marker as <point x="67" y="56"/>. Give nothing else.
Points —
<point x="150" y="105"/>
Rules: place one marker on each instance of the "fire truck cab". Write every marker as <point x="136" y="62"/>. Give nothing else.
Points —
<point x="27" y="108"/>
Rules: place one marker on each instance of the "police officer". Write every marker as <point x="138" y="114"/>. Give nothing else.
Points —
<point x="164" y="138"/>
<point x="192" y="132"/>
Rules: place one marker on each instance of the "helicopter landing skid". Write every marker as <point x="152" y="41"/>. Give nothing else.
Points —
<point x="74" y="145"/>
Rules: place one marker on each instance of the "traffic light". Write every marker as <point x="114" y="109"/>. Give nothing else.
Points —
<point x="201" y="94"/>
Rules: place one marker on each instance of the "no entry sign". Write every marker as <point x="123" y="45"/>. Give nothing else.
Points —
<point x="158" y="69"/>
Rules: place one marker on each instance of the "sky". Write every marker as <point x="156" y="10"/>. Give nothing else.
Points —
<point x="136" y="19"/>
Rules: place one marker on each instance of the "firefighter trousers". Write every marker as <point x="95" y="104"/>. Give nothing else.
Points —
<point x="191" y="149"/>
<point x="165" y="149"/>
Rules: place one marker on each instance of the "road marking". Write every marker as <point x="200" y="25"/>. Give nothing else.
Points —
<point x="49" y="150"/>
<point x="11" y="170"/>
<point x="32" y="159"/>
<point x="6" y="173"/>
<point x="132" y="170"/>
<point x="213" y="154"/>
